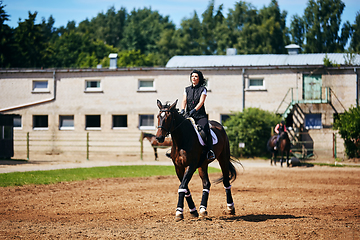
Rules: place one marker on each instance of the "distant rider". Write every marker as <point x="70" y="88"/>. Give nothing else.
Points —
<point x="280" y="128"/>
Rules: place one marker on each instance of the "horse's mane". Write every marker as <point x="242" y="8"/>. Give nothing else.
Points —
<point x="148" y="135"/>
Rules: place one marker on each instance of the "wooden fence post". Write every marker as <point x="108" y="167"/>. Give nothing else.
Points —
<point x="27" y="146"/>
<point x="141" y="145"/>
<point x="87" y="146"/>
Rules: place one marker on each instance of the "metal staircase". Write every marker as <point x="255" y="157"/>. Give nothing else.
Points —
<point x="291" y="101"/>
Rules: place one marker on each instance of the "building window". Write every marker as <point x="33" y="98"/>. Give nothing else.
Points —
<point x="40" y="122"/>
<point x="17" y="122"/>
<point x="66" y="122"/>
<point x="146" y="122"/>
<point x="146" y="85"/>
<point x="93" y="86"/>
<point x="313" y="121"/>
<point x="93" y="122"/>
<point x="40" y="86"/>
<point x="256" y="84"/>
<point x="223" y="118"/>
<point x="119" y="121"/>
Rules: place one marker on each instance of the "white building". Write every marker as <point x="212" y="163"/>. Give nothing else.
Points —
<point x="61" y="108"/>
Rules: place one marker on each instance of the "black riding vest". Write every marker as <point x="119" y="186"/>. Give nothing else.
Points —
<point x="193" y="95"/>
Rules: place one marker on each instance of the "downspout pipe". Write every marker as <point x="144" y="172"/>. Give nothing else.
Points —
<point x="36" y="102"/>
<point x="357" y="87"/>
<point x="243" y="92"/>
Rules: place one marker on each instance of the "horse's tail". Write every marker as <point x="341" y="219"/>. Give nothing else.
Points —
<point x="232" y="170"/>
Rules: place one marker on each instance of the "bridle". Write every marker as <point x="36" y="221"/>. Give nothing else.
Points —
<point x="172" y="123"/>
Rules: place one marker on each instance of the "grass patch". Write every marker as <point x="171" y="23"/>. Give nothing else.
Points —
<point x="79" y="174"/>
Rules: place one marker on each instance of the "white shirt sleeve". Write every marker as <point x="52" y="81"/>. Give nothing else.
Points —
<point x="204" y="92"/>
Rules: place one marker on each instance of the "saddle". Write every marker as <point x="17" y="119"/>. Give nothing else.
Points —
<point x="202" y="135"/>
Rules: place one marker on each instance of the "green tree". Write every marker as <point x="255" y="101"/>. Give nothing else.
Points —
<point x="143" y="30"/>
<point x="348" y="125"/>
<point x="252" y="127"/>
<point x="297" y="30"/>
<point x="264" y="32"/>
<point x="6" y="37"/>
<point x="107" y="27"/>
<point x="30" y="43"/>
<point x="355" y="40"/>
<point x="322" y="26"/>
<point x="134" y="58"/>
<point x="210" y="23"/>
<point x="189" y="36"/>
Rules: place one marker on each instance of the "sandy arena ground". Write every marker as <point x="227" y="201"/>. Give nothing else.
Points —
<point x="271" y="203"/>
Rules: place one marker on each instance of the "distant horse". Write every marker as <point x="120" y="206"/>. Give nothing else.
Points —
<point x="188" y="155"/>
<point x="284" y="147"/>
<point x="155" y="144"/>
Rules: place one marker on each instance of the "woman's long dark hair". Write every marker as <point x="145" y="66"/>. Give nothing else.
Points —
<point x="202" y="80"/>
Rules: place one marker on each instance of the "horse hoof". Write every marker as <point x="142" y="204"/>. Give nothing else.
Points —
<point x="179" y="216"/>
<point x="194" y="214"/>
<point x="203" y="212"/>
<point x="230" y="210"/>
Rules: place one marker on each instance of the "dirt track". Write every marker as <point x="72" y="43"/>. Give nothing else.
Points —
<point x="271" y="203"/>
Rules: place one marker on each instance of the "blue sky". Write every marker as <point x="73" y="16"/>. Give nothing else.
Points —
<point x="78" y="10"/>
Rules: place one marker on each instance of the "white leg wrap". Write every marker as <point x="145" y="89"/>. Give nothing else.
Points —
<point x="194" y="209"/>
<point x="230" y="204"/>
<point x="179" y="210"/>
<point x="206" y="190"/>
<point x="182" y="190"/>
<point x="202" y="207"/>
<point x="188" y="195"/>
<point x="229" y="187"/>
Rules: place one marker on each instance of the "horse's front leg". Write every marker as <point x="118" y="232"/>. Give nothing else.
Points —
<point x="184" y="192"/>
<point x="156" y="155"/>
<point x="203" y="172"/>
<point x="287" y="158"/>
<point x="282" y="158"/>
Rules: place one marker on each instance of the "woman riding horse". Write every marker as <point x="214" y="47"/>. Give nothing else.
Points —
<point x="187" y="156"/>
<point x="194" y="100"/>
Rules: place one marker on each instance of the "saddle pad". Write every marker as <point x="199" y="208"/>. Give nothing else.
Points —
<point x="213" y="135"/>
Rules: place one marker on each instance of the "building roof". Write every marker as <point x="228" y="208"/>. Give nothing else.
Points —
<point x="252" y="60"/>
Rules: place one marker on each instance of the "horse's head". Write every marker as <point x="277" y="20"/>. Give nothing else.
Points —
<point x="283" y="135"/>
<point x="165" y="120"/>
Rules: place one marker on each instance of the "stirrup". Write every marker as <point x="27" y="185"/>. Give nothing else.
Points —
<point x="211" y="155"/>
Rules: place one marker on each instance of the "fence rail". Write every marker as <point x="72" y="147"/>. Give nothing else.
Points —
<point x="80" y="145"/>
<point x="317" y="143"/>
<point x="100" y="145"/>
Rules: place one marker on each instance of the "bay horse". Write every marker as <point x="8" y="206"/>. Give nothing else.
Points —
<point x="188" y="155"/>
<point x="284" y="147"/>
<point x="155" y="144"/>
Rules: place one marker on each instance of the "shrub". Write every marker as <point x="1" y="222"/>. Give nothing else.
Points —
<point x="252" y="127"/>
<point x="348" y="125"/>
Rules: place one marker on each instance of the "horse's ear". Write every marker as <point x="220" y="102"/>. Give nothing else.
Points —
<point x="159" y="104"/>
<point x="174" y="104"/>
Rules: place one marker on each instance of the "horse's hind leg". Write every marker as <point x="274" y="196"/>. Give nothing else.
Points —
<point x="227" y="168"/>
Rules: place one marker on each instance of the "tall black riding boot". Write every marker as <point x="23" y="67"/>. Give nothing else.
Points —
<point x="210" y="154"/>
